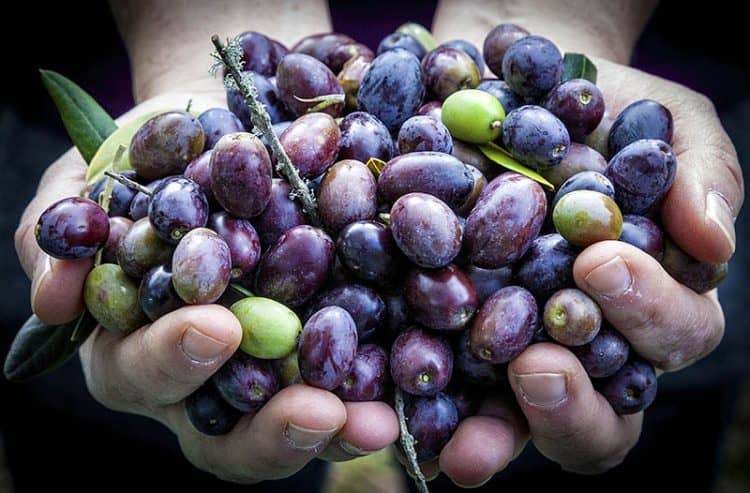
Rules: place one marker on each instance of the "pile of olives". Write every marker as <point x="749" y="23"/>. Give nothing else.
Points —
<point x="433" y="266"/>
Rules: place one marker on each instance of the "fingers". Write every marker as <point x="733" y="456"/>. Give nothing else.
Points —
<point x="370" y="426"/>
<point x="701" y="207"/>
<point x="484" y="444"/>
<point x="666" y="322"/>
<point x="285" y="434"/>
<point x="161" y="363"/>
<point x="570" y="422"/>
<point x="56" y="284"/>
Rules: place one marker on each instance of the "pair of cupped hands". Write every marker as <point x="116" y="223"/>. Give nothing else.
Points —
<point x="151" y="371"/>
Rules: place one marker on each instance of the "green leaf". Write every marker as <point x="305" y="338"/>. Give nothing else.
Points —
<point x="39" y="348"/>
<point x="578" y="66"/>
<point x="86" y="122"/>
<point x="499" y="155"/>
<point x="376" y="165"/>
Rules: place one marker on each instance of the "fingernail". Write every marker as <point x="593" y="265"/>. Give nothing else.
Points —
<point x="719" y="212"/>
<point x="611" y="278"/>
<point x="40" y="274"/>
<point x="302" y="438"/>
<point x="350" y="449"/>
<point x="200" y="347"/>
<point x="542" y="389"/>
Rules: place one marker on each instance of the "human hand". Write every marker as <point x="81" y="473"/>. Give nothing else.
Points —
<point x="152" y="370"/>
<point x="667" y="323"/>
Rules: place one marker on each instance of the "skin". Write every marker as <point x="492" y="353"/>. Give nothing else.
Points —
<point x="665" y="322"/>
<point x="580" y="431"/>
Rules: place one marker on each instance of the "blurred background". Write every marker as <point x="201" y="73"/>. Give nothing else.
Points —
<point x="696" y="436"/>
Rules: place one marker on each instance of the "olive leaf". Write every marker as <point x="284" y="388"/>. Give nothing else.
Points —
<point x="376" y="165"/>
<point x="578" y="66"/>
<point x="86" y="122"/>
<point x="39" y="348"/>
<point x="500" y="156"/>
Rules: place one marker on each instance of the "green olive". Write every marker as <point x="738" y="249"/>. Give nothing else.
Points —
<point x="269" y="329"/>
<point x="288" y="369"/>
<point x="473" y="116"/>
<point x="112" y="298"/>
<point x="584" y="217"/>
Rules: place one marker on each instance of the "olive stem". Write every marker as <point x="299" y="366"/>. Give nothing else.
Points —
<point x="407" y="442"/>
<point x="262" y="122"/>
<point x="496" y="124"/>
<point x="128" y="182"/>
<point x="243" y="291"/>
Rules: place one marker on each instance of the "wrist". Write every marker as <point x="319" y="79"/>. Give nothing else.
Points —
<point x="601" y="29"/>
<point x="169" y="45"/>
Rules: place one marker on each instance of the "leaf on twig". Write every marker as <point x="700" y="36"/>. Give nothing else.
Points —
<point x="87" y="123"/>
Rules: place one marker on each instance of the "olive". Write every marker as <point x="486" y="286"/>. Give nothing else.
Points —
<point x="584" y="217"/>
<point x="473" y="116"/>
<point x="112" y="298"/>
<point x="269" y="329"/>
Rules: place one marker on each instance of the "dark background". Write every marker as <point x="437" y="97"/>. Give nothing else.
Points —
<point x="55" y="434"/>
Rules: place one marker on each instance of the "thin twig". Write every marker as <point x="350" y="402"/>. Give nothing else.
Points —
<point x="261" y="121"/>
<point x="407" y="442"/>
<point x="129" y="183"/>
<point x="241" y="289"/>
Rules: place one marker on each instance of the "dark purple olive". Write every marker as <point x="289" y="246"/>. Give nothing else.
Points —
<point x="488" y="281"/>
<point x="280" y="215"/>
<point x="216" y="123"/>
<point x="632" y="389"/>
<point x="121" y="196"/>
<point x="246" y="383"/>
<point x="425" y="229"/>
<point x="504" y="326"/>
<point x="72" y="228"/>
<point x="199" y="170"/>
<point x="547" y="266"/>
<point x="177" y="206"/>
<point x="469" y="49"/>
<point x="242" y="239"/>
<point x="421" y="362"/>
<point x="363" y="136"/>
<point x="367" y="250"/>
<point x="209" y="413"/>
<point x="431" y="421"/>
<point x="118" y="226"/>
<point x="532" y="66"/>
<point x="497" y="42"/>
<point x="327" y="348"/>
<point x="241" y="174"/>
<point x="434" y="173"/>
<point x="368" y="377"/>
<point x="302" y="79"/>
<point x="156" y="294"/>
<point x="605" y="354"/>
<point x="424" y="133"/>
<point x="535" y="137"/>
<point x="643" y="233"/>
<point x="443" y="299"/>
<point x="259" y="53"/>
<point x="476" y="370"/>
<point x="644" y="119"/>
<point x="642" y="174"/>
<point x="364" y="305"/>
<point x="296" y="266"/>
<point x="505" y="220"/>
<point x="500" y="89"/>
<point x="165" y="144"/>
<point x="348" y="193"/>
<point x="312" y="143"/>
<point x="580" y="158"/>
<point x="699" y="276"/>
<point x="446" y="70"/>
<point x="579" y="104"/>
